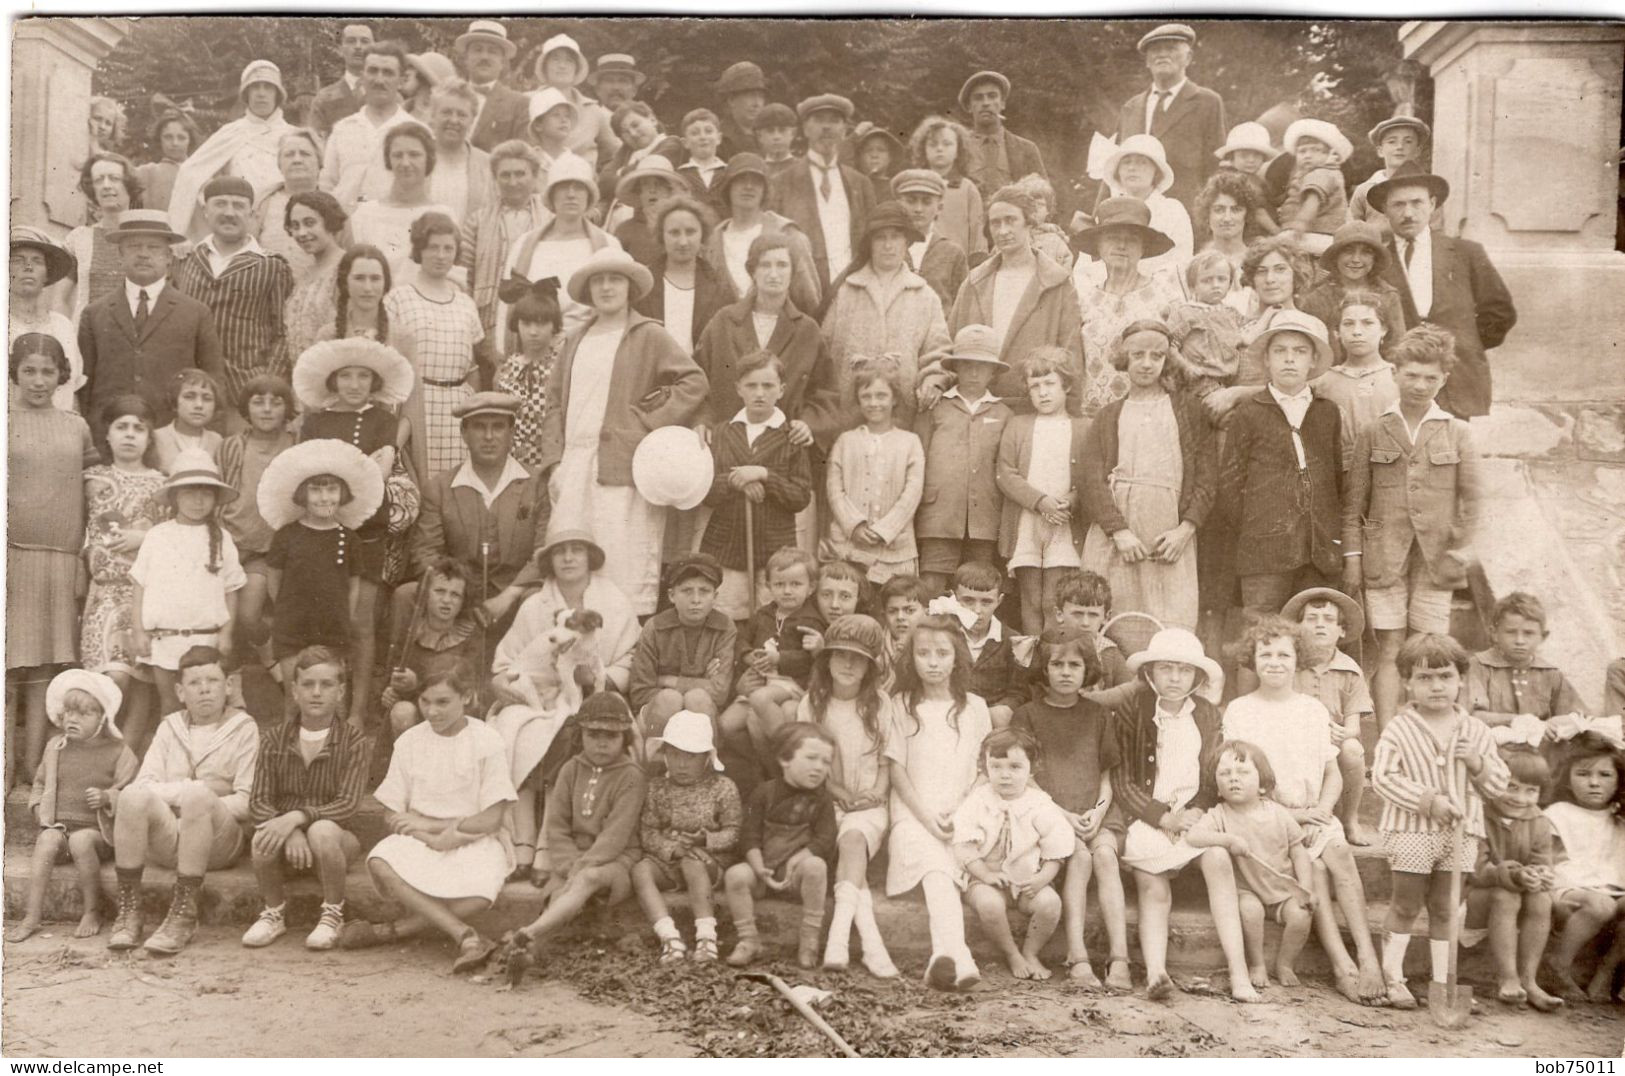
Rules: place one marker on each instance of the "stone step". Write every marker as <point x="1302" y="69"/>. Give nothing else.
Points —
<point x="231" y="897"/>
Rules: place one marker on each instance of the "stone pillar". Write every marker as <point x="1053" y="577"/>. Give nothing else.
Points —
<point x="52" y="60"/>
<point x="1526" y="129"/>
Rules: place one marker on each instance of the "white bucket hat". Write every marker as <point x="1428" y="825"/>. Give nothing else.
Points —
<point x="691" y="732"/>
<point x="672" y="468"/>
<point x="321" y="361"/>
<point x="1248" y="135"/>
<point x="1294" y="321"/>
<point x="1143" y="145"/>
<point x="1178" y="645"/>
<point x="547" y="99"/>
<point x="324" y="455"/>
<point x="1325" y="133"/>
<point x="96" y="685"/>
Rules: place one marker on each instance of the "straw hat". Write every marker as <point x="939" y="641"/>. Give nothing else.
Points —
<point x="434" y="67"/>
<point x="262" y="71"/>
<point x="617" y="62"/>
<point x="486" y="30"/>
<point x="570" y="168"/>
<point x="195" y="467"/>
<point x="58" y="262"/>
<point x="857" y="634"/>
<point x="1356" y="232"/>
<point x="1353" y="615"/>
<point x="568" y="44"/>
<point x="610" y="260"/>
<point x="98" y="686"/>
<point x="1408" y="174"/>
<point x="562" y="535"/>
<point x="1123" y="214"/>
<point x="1295" y="321"/>
<point x="324" y="455"/>
<point x="321" y="361"/>
<point x="134" y="223"/>
<point x="672" y="468"/>
<point x="1179" y="645"/>
<point x="654" y="166"/>
<point x="1248" y="135"/>
<point x="975" y="343"/>
<point x="976" y="80"/>
<point x="691" y="732"/>
<point x="1144" y="145"/>
<point x="1325" y="133"/>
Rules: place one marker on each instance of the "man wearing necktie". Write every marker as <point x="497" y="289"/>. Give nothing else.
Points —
<point x="484" y="53"/>
<point x="344" y="95"/>
<point x="995" y="156"/>
<point x="1446" y="282"/>
<point x="827" y="200"/>
<point x="1188" y="119"/>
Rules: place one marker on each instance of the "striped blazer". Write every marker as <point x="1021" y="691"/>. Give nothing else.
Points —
<point x="788" y="489"/>
<point x="1410" y="768"/>
<point x="329" y="786"/>
<point x="247" y="301"/>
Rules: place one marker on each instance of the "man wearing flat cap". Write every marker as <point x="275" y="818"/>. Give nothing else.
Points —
<point x="483" y="53"/>
<point x="1186" y="118"/>
<point x="829" y="201"/>
<point x="490" y="512"/>
<point x="244" y="286"/>
<point x="343" y="96"/>
<point x="743" y="90"/>
<point x="994" y="156"/>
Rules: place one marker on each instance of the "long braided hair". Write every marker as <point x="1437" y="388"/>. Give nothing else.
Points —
<point x="341" y="327"/>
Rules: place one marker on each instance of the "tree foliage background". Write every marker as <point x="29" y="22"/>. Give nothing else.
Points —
<point x="1070" y="75"/>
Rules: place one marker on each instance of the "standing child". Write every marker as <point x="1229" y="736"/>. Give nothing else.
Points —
<point x="937" y="258"/>
<point x="1397" y="140"/>
<point x="775" y="133"/>
<point x="1514" y="878"/>
<point x="73" y="794"/>
<point x="186" y="575"/>
<point x="688" y="830"/>
<point x="1588" y="888"/>
<point x="536" y="324"/>
<point x="1167" y="744"/>
<point x="960" y="509"/>
<point x="874" y="479"/>
<point x="1433" y="768"/>
<point x="942" y="145"/>
<point x="994" y="674"/>
<point x="1294" y="731"/>
<point x="788" y="840"/>
<point x="1266" y="846"/>
<point x="1328" y="617"/>
<point x="932" y="753"/>
<point x="1357" y="260"/>
<point x="1361" y="385"/>
<point x="701" y="132"/>
<point x="1316" y="202"/>
<point x="1042" y="525"/>
<point x="1513" y="677"/>
<point x="1011" y="839"/>
<point x="266" y="404"/>
<point x="1207" y="328"/>
<point x="684" y="659"/>
<point x="756" y="462"/>
<point x="845" y="698"/>
<point x="193" y="395"/>
<point x="1409" y="548"/>
<point x="1075" y="757"/>
<point x="123" y="502"/>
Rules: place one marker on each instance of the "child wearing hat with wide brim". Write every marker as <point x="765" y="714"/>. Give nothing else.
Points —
<point x="561" y="65"/>
<point x="74" y="791"/>
<point x="186" y="576"/>
<point x="316" y="495"/>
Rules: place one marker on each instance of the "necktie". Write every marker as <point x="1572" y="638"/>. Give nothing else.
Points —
<point x="141" y="311"/>
<point x="823" y="179"/>
<point x="1407" y="247"/>
<point x="1162" y="102"/>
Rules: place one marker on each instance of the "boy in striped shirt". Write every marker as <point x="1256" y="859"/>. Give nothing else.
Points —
<point x="1435" y="765"/>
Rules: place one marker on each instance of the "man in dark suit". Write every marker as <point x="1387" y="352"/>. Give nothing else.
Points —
<point x="1188" y="119"/>
<point x="136" y="339"/>
<point x="827" y="200"/>
<point x="995" y="156"/>
<point x="484" y="53"/>
<point x="1446" y="282"/>
<point x="743" y="91"/>
<point x="338" y="99"/>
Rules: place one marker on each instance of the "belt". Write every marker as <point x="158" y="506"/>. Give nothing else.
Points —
<point x="164" y="633"/>
<point x="445" y="384"/>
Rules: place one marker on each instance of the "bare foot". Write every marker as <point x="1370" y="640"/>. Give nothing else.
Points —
<point x="1259" y="976"/>
<point x="1511" y="992"/>
<point x="1597" y="992"/>
<point x="1081" y="973"/>
<point x="1286" y="976"/>
<point x="23" y="930"/>
<point x="1355" y="833"/>
<point x="90" y="925"/>
<point x="1019" y="966"/>
<point x="1117" y="976"/>
<point x="1567" y="988"/>
<point x="1373" y="987"/>
<point x="1036" y="966"/>
<point x="1243" y="991"/>
<point x="1160" y="987"/>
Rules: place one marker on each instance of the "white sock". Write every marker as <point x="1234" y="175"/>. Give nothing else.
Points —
<point x="666" y="930"/>
<point x="1393" y="955"/>
<point x="705" y="929"/>
<point x="1440" y="952"/>
<point x="874" y="947"/>
<point x="840" y="923"/>
<point x="947" y="919"/>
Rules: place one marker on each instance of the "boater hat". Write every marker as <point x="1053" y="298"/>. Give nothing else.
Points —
<point x="691" y="732"/>
<point x="321" y="361"/>
<point x="58" y="262"/>
<point x="195" y="467"/>
<point x="97" y="685"/>
<point x="133" y="223"/>
<point x="1178" y="645"/>
<point x="486" y="30"/>
<point x="672" y="468"/>
<point x="1353" y="615"/>
<point x="617" y="62"/>
<point x="325" y="455"/>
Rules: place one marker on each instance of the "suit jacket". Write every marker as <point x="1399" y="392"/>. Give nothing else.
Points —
<point x="1190" y="128"/>
<point x="179" y="334"/>
<point x="943" y="265"/>
<point x="453" y="521"/>
<point x="811" y="392"/>
<point x="333" y="102"/>
<point x="791" y="194"/>
<point x="961" y="498"/>
<point x="1021" y="153"/>
<point x="506" y="115"/>
<point x="1469" y="299"/>
<point x="1283" y="519"/>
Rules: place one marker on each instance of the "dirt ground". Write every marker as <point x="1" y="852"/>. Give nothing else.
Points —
<point x="217" y="1000"/>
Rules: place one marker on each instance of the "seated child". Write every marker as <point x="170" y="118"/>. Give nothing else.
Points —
<point x="684" y="659"/>
<point x="1084" y="601"/>
<point x="1588" y="888"/>
<point x="591" y="823"/>
<point x="900" y="605"/>
<point x="444" y="636"/>
<point x="188" y="805"/>
<point x="1207" y="328"/>
<point x="1327" y="617"/>
<point x="1512" y="881"/>
<point x="994" y="673"/>
<point x="446" y="795"/>
<point x="1011" y="840"/>
<point x="74" y="790"/>
<point x="845" y="697"/>
<point x="788" y="839"/>
<point x="1316" y="202"/>
<point x="1167" y="744"/>
<point x="770" y="652"/>
<point x="1266" y="846"/>
<point x="1076" y="754"/>
<point x="690" y="825"/>
<point x="1512" y="677"/>
<point x="1425" y="804"/>
<point x="194" y="395"/>
<point x="1294" y="731"/>
<point x="1362" y="384"/>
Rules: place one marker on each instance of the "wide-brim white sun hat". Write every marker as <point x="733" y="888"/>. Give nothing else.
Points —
<point x="672" y="468"/>
<point x="324" y="455"/>
<point x="97" y="685"/>
<point x="1177" y="645"/>
<point x="321" y="361"/>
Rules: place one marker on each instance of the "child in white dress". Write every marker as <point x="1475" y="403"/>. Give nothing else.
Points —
<point x="1588" y="888"/>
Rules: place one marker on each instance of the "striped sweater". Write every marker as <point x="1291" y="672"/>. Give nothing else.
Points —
<point x="1411" y="768"/>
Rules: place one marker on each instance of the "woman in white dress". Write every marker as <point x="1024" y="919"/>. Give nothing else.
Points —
<point x="409" y="156"/>
<point x="246" y="147"/>
<point x="562" y="245"/>
<point x="447" y="795"/>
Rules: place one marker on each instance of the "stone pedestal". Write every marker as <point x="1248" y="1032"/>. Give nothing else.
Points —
<point x="1527" y="119"/>
<point x="52" y="60"/>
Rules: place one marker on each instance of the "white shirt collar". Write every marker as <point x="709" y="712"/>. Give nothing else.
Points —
<point x="1187" y="708"/>
<point x="1171" y="91"/>
<point x="1283" y="399"/>
<point x="976" y="404"/>
<point x="817" y="160"/>
<point x="250" y="246"/>
<point x="352" y="81"/>
<point x="1434" y="412"/>
<point x="774" y="421"/>
<point x="132" y="292"/>
<point x="512" y="471"/>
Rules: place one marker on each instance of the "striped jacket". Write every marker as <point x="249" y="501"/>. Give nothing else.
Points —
<point x="788" y="490"/>
<point x="247" y="301"/>
<point x="1411" y="768"/>
<point x="330" y="786"/>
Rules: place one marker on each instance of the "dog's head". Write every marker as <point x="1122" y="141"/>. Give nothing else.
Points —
<point x="583" y="621"/>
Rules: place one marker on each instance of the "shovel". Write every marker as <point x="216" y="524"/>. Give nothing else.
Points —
<point x="1449" y="1001"/>
<point x="750" y="558"/>
<point x="803" y="1009"/>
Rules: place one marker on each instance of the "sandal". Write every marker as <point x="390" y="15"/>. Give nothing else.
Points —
<point x="360" y="934"/>
<point x="672" y="951"/>
<point x="705" y="950"/>
<point x="472" y="951"/>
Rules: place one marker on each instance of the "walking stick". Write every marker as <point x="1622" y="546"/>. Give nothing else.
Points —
<point x="485" y="593"/>
<point x="750" y="557"/>
<point x="403" y="640"/>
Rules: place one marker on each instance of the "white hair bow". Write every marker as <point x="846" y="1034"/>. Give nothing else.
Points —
<point x="1568" y="726"/>
<point x="948" y="605"/>
<point x="1526" y="729"/>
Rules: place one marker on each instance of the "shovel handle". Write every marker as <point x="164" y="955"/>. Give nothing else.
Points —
<point x="1456" y="841"/>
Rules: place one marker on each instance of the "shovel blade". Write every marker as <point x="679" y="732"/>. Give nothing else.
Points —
<point x="1449" y="1005"/>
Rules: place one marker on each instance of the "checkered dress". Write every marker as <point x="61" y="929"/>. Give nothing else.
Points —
<point x="443" y="336"/>
<point x="528" y="382"/>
